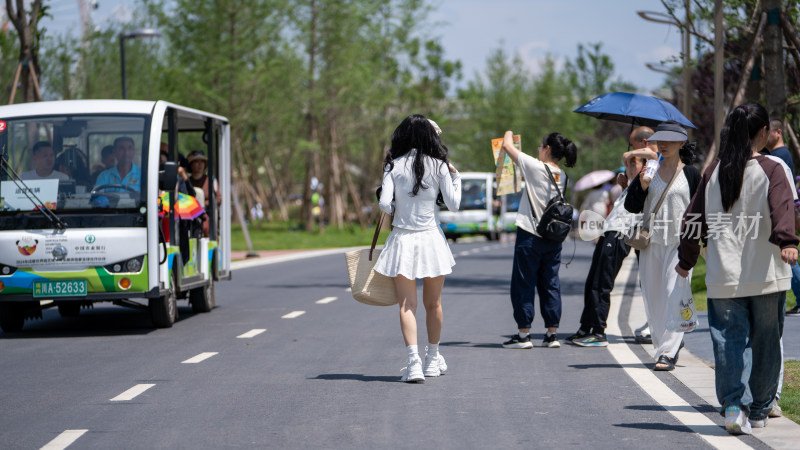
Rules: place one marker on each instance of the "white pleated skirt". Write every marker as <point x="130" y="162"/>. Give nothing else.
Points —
<point x="415" y="254"/>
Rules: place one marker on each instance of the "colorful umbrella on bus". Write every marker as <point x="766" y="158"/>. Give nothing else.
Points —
<point x="187" y="207"/>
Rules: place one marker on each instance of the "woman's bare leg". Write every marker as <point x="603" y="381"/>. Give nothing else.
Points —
<point x="407" y="293"/>
<point x="432" y="299"/>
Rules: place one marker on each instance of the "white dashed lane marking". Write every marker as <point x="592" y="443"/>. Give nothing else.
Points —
<point x="199" y="358"/>
<point x="252" y="333"/>
<point x="326" y="300"/>
<point x="64" y="440"/>
<point x="293" y="315"/>
<point x="464" y="253"/>
<point x="131" y="393"/>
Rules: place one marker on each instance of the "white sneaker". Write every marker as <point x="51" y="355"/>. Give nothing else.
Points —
<point x="759" y="423"/>
<point x="776" y="410"/>
<point x="434" y="365"/>
<point x="736" y="421"/>
<point x="413" y="371"/>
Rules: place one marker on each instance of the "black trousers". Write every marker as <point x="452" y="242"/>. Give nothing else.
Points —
<point x="606" y="262"/>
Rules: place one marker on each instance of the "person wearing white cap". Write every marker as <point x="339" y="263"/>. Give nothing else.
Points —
<point x="677" y="181"/>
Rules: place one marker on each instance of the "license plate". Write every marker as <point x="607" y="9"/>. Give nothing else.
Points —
<point x="59" y="288"/>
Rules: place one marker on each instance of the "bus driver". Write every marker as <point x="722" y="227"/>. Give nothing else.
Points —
<point x="125" y="173"/>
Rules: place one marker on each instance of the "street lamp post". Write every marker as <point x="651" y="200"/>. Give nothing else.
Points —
<point x="142" y="33"/>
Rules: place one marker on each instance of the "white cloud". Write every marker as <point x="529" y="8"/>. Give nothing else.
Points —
<point x="535" y="53"/>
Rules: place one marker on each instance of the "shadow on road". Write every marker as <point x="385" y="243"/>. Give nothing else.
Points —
<point x="470" y="344"/>
<point x="94" y="322"/>
<point x="661" y="427"/>
<point x="703" y="408"/>
<point x="355" y="377"/>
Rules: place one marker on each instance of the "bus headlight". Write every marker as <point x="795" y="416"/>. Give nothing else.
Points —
<point x="134" y="265"/>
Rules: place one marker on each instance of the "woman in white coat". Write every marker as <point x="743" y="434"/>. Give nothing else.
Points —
<point x="416" y="171"/>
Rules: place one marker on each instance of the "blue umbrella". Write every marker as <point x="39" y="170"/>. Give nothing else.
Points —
<point x="633" y="109"/>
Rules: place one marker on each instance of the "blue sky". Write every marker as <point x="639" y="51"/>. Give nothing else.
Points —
<point x="470" y="29"/>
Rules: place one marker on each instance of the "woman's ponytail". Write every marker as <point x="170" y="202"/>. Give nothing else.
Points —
<point x="561" y="147"/>
<point x="741" y="126"/>
<point x="687" y="153"/>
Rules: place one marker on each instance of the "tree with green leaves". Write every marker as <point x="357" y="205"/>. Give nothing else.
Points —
<point x="28" y="70"/>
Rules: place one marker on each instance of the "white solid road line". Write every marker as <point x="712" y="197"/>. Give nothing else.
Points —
<point x="712" y="433"/>
<point x="252" y="333"/>
<point x="293" y="314"/>
<point x="199" y="358"/>
<point x="326" y="300"/>
<point x="131" y="393"/>
<point x="64" y="439"/>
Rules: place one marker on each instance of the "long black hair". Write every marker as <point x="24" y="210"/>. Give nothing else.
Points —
<point x="561" y="147"/>
<point x="741" y="126"/>
<point x="415" y="132"/>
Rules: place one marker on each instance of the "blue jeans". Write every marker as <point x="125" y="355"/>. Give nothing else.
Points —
<point x="536" y="263"/>
<point x="746" y="334"/>
<point x="796" y="280"/>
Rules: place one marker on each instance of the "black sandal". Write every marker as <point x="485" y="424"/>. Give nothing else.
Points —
<point x="666" y="362"/>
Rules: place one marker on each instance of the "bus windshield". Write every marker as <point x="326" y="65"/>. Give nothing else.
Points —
<point x="512" y="201"/>
<point x="473" y="194"/>
<point x="73" y="163"/>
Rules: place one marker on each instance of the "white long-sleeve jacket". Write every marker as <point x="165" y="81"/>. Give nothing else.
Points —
<point x="418" y="212"/>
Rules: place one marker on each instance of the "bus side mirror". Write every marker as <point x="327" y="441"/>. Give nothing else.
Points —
<point x="168" y="176"/>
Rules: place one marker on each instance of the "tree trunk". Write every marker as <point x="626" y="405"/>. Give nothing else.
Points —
<point x="774" y="78"/>
<point x="26" y="27"/>
<point x="312" y="130"/>
<point x="747" y="69"/>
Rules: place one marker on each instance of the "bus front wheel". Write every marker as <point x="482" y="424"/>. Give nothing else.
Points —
<point x="202" y="298"/>
<point x="163" y="310"/>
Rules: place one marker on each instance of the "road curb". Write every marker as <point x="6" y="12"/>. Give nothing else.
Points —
<point x="267" y="260"/>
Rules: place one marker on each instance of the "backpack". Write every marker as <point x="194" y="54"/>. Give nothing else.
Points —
<point x="556" y="221"/>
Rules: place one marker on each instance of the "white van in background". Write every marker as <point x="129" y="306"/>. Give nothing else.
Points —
<point x="509" y="208"/>
<point x="479" y="212"/>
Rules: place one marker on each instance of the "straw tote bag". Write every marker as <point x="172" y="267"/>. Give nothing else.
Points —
<point x="367" y="286"/>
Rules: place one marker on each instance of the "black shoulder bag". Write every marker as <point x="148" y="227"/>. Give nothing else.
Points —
<point x="556" y="221"/>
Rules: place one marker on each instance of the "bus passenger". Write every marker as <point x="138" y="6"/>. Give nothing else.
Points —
<point x="44" y="159"/>
<point x="107" y="161"/>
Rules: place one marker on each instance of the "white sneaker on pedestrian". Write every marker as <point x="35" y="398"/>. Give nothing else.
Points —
<point x="736" y="421"/>
<point x="759" y="423"/>
<point x="413" y="371"/>
<point x="776" y="410"/>
<point x="434" y="365"/>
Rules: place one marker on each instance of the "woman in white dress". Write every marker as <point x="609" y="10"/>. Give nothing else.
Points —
<point x="416" y="171"/>
<point x="662" y="252"/>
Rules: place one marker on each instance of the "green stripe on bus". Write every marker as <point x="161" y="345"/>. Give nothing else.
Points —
<point x="106" y="279"/>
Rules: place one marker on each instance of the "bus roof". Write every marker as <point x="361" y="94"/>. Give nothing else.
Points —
<point x="94" y="107"/>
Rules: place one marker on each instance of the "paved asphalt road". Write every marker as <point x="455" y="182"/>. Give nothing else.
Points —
<point x="328" y="378"/>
